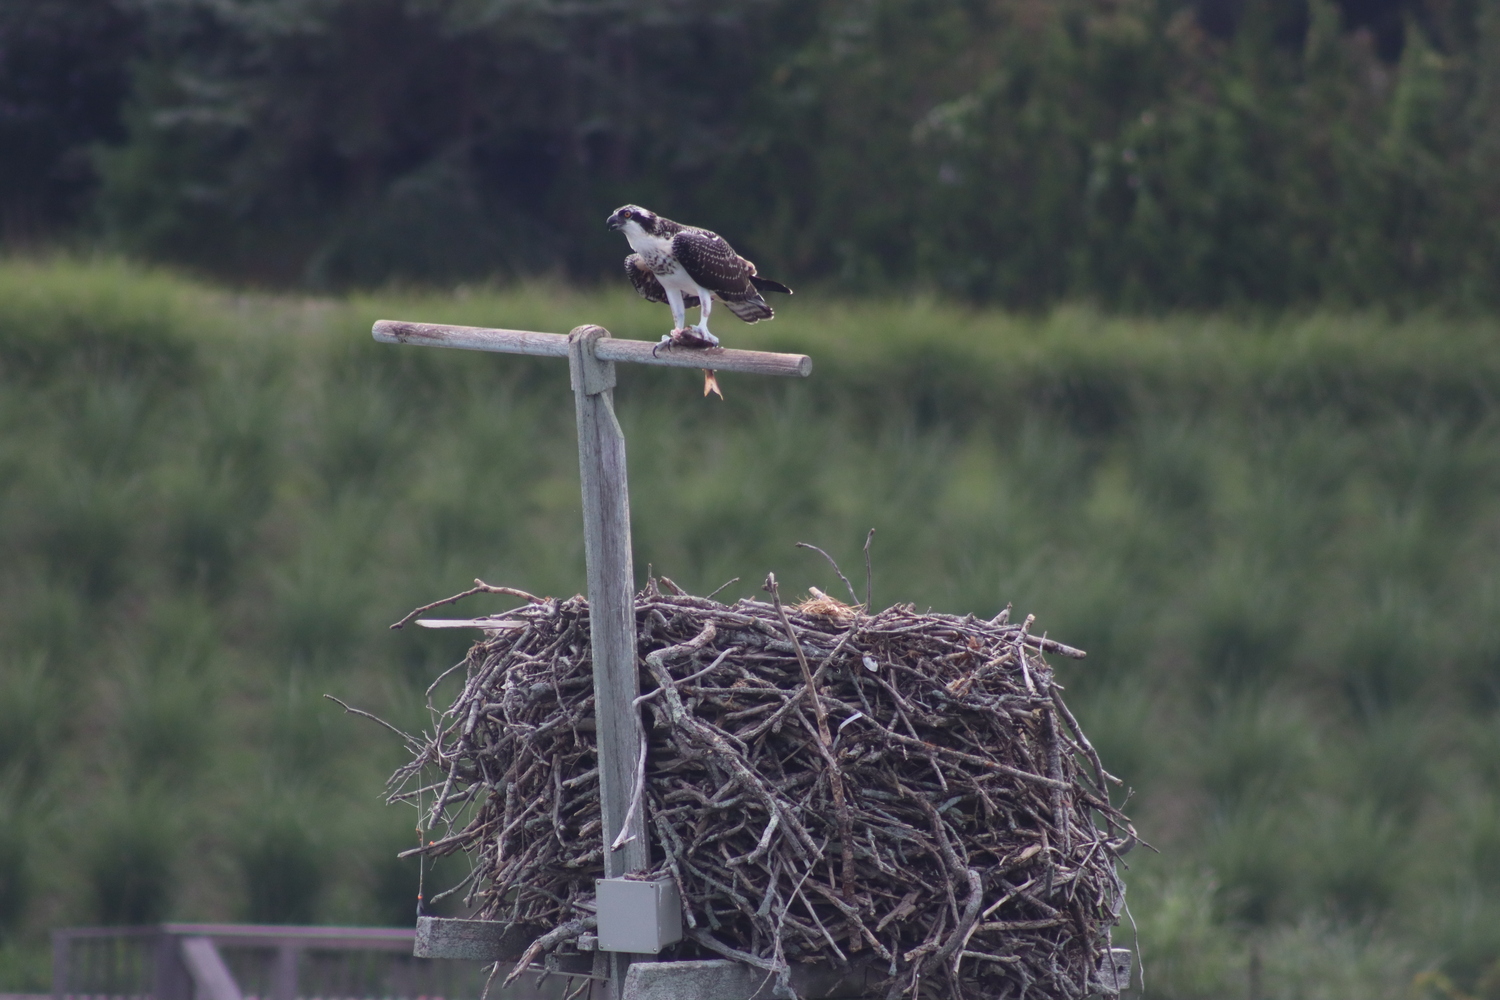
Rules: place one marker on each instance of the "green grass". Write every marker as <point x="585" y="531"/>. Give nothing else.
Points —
<point x="1278" y="540"/>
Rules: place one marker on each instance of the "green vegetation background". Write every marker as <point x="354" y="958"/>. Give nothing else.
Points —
<point x="1278" y="542"/>
<point x="1144" y="154"/>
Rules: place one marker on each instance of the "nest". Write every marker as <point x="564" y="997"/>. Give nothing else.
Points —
<point x="929" y="811"/>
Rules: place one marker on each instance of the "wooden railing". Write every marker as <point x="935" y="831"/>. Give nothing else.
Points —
<point x="259" y="962"/>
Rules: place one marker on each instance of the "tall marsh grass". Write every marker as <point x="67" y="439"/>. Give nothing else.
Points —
<point x="1277" y="539"/>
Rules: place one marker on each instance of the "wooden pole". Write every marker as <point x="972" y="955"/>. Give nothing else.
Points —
<point x="611" y="579"/>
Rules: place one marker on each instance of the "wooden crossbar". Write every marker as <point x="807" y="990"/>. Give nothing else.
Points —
<point x="555" y="345"/>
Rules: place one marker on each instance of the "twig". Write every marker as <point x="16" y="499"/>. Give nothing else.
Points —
<point x="869" y="575"/>
<point x="480" y="587"/>
<point x="625" y="836"/>
<point x="853" y="597"/>
<point x="551" y="939"/>
<point x="373" y="718"/>
<point x="712" y="944"/>
<point x="715" y="592"/>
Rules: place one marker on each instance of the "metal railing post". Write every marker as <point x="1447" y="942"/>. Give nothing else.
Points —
<point x="284" y="972"/>
<point x="170" y="979"/>
<point x="61" y="945"/>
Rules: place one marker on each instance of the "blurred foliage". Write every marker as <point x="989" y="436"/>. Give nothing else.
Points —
<point x="1136" y="153"/>
<point x="64" y="73"/>
<point x="1277" y="540"/>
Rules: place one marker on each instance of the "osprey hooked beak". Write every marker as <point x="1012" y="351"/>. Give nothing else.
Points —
<point x="645" y="218"/>
<point x="623" y="215"/>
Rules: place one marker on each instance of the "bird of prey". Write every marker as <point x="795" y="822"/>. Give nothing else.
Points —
<point x="684" y="266"/>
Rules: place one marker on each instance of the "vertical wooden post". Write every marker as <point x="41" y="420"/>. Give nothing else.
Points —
<point x="611" y="580"/>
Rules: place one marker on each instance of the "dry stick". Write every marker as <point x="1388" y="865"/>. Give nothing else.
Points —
<point x="1088" y="748"/>
<point x="1047" y="645"/>
<point x="794" y="696"/>
<point x="721" y="587"/>
<point x="742" y="773"/>
<point x="473" y="874"/>
<point x="968" y="758"/>
<point x="641" y="769"/>
<point x="551" y="939"/>
<point x="374" y="718"/>
<point x="1021" y="653"/>
<point x="966" y="922"/>
<point x="853" y="597"/>
<point x="1060" y="811"/>
<point x="636" y="794"/>
<point x="442" y="677"/>
<point x="484" y="994"/>
<point x="714" y="944"/>
<point x="704" y="637"/>
<point x="869" y="575"/>
<point x="852" y="914"/>
<point x="480" y="587"/>
<point x="835" y="778"/>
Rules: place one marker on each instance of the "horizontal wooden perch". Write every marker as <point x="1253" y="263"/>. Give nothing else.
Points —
<point x="555" y="345"/>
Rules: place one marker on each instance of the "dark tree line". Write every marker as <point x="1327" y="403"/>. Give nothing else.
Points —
<point x="1145" y="153"/>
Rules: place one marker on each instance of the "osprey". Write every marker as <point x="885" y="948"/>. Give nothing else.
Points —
<point x="684" y="267"/>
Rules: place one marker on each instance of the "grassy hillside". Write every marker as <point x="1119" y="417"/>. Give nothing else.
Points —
<point x="1278" y="541"/>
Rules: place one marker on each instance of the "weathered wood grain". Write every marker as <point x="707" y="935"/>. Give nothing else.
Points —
<point x="606" y="542"/>
<point x="611" y="576"/>
<point x="554" y="345"/>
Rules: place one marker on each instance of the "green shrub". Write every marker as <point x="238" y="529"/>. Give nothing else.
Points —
<point x="107" y="319"/>
<point x="130" y="858"/>
<point x="15" y="872"/>
<point x="33" y="717"/>
<point x="283" y="871"/>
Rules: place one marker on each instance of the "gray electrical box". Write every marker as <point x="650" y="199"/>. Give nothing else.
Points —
<point x="636" y="916"/>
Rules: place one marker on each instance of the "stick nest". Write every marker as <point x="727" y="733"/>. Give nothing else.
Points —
<point x="931" y="810"/>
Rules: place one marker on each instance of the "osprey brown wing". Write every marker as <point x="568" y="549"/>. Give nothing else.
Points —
<point x="712" y="263"/>
<point x="646" y="283"/>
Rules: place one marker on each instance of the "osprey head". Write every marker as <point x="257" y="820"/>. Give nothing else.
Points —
<point x="644" y="218"/>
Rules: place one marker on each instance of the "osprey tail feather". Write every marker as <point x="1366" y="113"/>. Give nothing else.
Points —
<point x="750" y="310"/>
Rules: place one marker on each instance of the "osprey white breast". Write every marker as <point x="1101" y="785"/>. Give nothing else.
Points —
<point x="655" y="250"/>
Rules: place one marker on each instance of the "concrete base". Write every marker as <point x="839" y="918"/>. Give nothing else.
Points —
<point x="477" y="940"/>
<point x="721" y="979"/>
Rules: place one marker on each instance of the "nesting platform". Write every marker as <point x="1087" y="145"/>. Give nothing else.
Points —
<point x="925" y="818"/>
